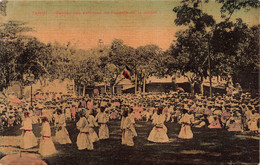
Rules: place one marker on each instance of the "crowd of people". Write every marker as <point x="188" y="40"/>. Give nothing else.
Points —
<point x="239" y="113"/>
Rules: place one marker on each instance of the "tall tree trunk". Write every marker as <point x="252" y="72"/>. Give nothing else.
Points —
<point x="113" y="89"/>
<point x="84" y="90"/>
<point x="144" y="85"/>
<point x="135" y="83"/>
<point x="192" y="84"/>
<point x="201" y="86"/>
<point x="21" y="88"/>
<point x="79" y="90"/>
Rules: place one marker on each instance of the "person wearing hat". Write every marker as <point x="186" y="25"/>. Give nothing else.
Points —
<point x="73" y="112"/>
<point x="225" y="116"/>
<point x="137" y="112"/>
<point x="92" y="123"/>
<point x="215" y="123"/>
<point x="82" y="103"/>
<point x="159" y="131"/>
<point x="67" y="112"/>
<point x="83" y="138"/>
<point x="47" y="147"/>
<point x="11" y="120"/>
<point x="29" y="139"/>
<point x="186" y="121"/>
<point x="102" y="118"/>
<point x="229" y="89"/>
<point x="233" y="126"/>
<point x="127" y="129"/>
<point x="132" y="117"/>
<point x="253" y="122"/>
<point x="62" y="135"/>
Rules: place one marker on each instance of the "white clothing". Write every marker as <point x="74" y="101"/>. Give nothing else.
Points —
<point x="92" y="133"/>
<point x="62" y="135"/>
<point x="127" y="134"/>
<point x="159" y="131"/>
<point x="83" y="139"/>
<point x="132" y="127"/>
<point x="103" y="118"/>
<point x="185" y="132"/>
<point x="29" y="139"/>
<point x="47" y="147"/>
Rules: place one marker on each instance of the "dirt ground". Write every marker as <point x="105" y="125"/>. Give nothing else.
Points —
<point x="208" y="146"/>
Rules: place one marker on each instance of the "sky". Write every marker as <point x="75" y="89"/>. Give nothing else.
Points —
<point x="83" y="23"/>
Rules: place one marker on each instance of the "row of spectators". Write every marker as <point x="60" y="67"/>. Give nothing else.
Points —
<point x="231" y="112"/>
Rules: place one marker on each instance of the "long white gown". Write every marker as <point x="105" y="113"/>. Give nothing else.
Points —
<point x="102" y="119"/>
<point x="47" y="147"/>
<point x="185" y="132"/>
<point x="159" y="131"/>
<point x="29" y="140"/>
<point x="83" y="139"/>
<point x="62" y="135"/>
<point x="92" y="123"/>
<point x="132" y="127"/>
<point x="127" y="134"/>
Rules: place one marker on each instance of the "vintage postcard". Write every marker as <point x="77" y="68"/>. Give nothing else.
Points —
<point x="129" y="82"/>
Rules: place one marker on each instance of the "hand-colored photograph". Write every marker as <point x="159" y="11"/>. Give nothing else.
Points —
<point x="120" y="82"/>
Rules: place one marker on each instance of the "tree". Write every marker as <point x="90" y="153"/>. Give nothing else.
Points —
<point x="238" y="44"/>
<point x="230" y="6"/>
<point x="189" y="14"/>
<point x="227" y="42"/>
<point x="191" y="50"/>
<point x="35" y="58"/>
<point x="87" y="72"/>
<point x="3" y="5"/>
<point x="148" y="62"/>
<point x="120" y="56"/>
<point x="191" y="56"/>
<point x="13" y="42"/>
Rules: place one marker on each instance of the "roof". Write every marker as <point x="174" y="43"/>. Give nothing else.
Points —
<point x="154" y="79"/>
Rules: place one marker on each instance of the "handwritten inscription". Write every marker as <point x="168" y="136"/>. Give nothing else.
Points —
<point x="94" y="12"/>
<point x="39" y="12"/>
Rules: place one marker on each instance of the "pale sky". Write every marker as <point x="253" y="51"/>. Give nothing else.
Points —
<point x="85" y="30"/>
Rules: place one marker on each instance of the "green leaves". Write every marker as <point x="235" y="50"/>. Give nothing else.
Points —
<point x="192" y="16"/>
<point x="3" y="4"/>
<point x="230" y="6"/>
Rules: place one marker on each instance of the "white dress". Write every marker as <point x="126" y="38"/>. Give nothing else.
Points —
<point x="132" y="127"/>
<point x="186" y="121"/>
<point x="83" y="139"/>
<point x="68" y="113"/>
<point x="102" y="119"/>
<point x="62" y="135"/>
<point x="252" y="123"/>
<point x="93" y="135"/>
<point x="47" y="147"/>
<point x="127" y="134"/>
<point x="159" y="131"/>
<point x="29" y="139"/>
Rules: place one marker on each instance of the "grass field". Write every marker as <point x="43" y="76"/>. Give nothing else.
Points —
<point x="208" y="146"/>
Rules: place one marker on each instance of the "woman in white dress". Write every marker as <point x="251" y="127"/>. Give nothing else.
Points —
<point x="127" y="133"/>
<point x="47" y="147"/>
<point x="29" y="139"/>
<point x="159" y="131"/>
<point x="102" y="119"/>
<point x="92" y="123"/>
<point x="62" y="135"/>
<point x="252" y="123"/>
<point x="186" y="121"/>
<point x="83" y="139"/>
<point x="132" y="118"/>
